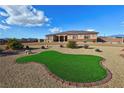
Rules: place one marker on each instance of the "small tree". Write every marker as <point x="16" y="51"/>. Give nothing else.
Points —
<point x="71" y="44"/>
<point x="14" y="44"/>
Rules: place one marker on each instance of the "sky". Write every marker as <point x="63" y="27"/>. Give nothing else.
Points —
<point x="36" y="21"/>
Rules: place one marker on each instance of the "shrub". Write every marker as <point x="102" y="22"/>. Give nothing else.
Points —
<point x="85" y="41"/>
<point x="86" y="46"/>
<point x="61" y="45"/>
<point x="98" y="50"/>
<point x="14" y="44"/>
<point x="27" y="47"/>
<point x="71" y="44"/>
<point x="42" y="47"/>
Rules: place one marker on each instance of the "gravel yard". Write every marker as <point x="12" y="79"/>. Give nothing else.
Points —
<point x="35" y="75"/>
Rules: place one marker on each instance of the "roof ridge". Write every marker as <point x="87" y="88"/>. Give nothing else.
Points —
<point x="75" y="32"/>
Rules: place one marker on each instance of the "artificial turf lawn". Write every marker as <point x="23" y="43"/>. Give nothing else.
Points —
<point x="69" y="67"/>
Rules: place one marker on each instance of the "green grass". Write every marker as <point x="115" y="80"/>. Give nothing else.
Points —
<point x="69" y="67"/>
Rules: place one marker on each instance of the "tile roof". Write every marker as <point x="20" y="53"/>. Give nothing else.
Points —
<point x="74" y="32"/>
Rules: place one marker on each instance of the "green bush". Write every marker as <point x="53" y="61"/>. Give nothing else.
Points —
<point x="71" y="44"/>
<point x="14" y="44"/>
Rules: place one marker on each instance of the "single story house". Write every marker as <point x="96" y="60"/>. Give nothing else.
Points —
<point x="82" y="36"/>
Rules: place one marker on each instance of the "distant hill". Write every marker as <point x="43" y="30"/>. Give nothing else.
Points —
<point x="120" y="35"/>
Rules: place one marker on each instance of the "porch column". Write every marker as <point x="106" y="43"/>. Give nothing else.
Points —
<point x="52" y="38"/>
<point x="58" y="38"/>
<point x="64" y="38"/>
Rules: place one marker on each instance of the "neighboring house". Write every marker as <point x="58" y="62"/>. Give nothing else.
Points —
<point x="112" y="40"/>
<point x="28" y="40"/>
<point x="83" y="36"/>
<point x="23" y="40"/>
<point x="3" y="41"/>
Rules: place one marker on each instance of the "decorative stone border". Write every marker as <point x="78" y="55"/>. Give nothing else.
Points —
<point x="77" y="84"/>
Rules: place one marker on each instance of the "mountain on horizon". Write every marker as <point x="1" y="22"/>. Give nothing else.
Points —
<point x="119" y="35"/>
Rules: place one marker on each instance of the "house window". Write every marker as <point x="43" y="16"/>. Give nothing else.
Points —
<point x="86" y="37"/>
<point x="80" y="35"/>
<point x="74" y="36"/>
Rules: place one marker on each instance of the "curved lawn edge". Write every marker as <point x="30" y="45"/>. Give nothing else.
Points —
<point x="74" y="83"/>
<point x="77" y="84"/>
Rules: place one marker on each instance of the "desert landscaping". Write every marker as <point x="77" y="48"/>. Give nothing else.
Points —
<point x="33" y="74"/>
<point x="61" y="46"/>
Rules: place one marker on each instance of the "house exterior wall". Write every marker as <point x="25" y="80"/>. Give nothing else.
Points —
<point x="91" y="37"/>
<point x="70" y="37"/>
<point x="49" y="38"/>
<point x="82" y="37"/>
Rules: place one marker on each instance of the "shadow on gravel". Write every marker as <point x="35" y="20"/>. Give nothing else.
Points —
<point x="122" y="55"/>
<point x="9" y="53"/>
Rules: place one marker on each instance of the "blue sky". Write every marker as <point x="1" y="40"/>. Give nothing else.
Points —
<point x="37" y="21"/>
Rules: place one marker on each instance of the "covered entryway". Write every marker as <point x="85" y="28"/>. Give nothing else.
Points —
<point x="59" y="38"/>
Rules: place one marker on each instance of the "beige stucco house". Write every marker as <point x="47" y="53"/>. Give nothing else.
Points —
<point x="82" y="36"/>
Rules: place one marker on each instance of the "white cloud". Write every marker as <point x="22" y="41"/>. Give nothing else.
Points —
<point x="24" y="15"/>
<point x="3" y="14"/>
<point x="55" y="30"/>
<point x="4" y="27"/>
<point x="90" y="29"/>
